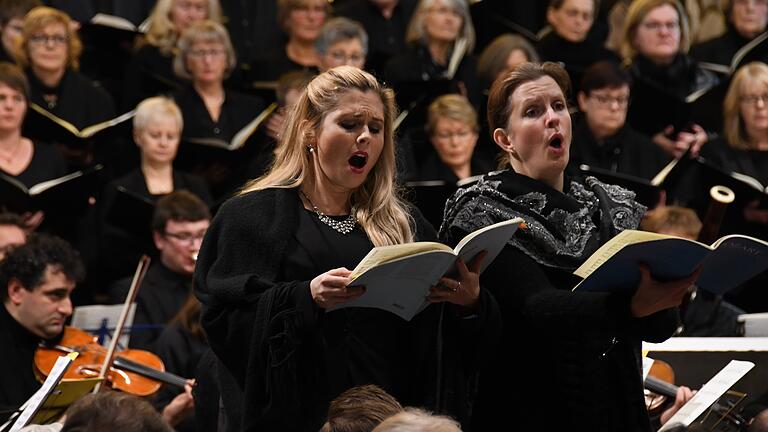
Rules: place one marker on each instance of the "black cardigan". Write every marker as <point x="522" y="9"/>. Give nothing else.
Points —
<point x="263" y="331"/>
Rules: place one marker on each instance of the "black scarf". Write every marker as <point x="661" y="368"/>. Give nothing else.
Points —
<point x="562" y="228"/>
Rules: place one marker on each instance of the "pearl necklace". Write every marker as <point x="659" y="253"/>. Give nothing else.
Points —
<point x="344" y="226"/>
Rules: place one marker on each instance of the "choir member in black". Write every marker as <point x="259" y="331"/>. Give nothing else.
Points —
<point x="37" y="279"/>
<point x="206" y="58"/>
<point x="151" y="70"/>
<point x="654" y="44"/>
<point x="601" y="136"/>
<point x="13" y="232"/>
<point x="277" y="258"/>
<point x="341" y="42"/>
<point x="587" y="345"/>
<point x="746" y="20"/>
<point x="27" y="161"/>
<point x="435" y="34"/>
<point x="503" y="55"/>
<point x="181" y="345"/>
<point x="386" y="22"/>
<point x="301" y="20"/>
<point x="49" y="51"/>
<point x="252" y="26"/>
<point x="178" y="226"/>
<point x="157" y="130"/>
<point x="11" y="25"/>
<point x="453" y="131"/>
<point x="567" y="41"/>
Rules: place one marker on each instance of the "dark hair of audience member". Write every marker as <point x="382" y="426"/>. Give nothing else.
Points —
<point x="10" y="9"/>
<point x="28" y="262"/>
<point x="179" y="206"/>
<point x="360" y="409"/>
<point x="12" y="76"/>
<point x="114" y="412"/>
<point x="604" y="74"/>
<point x="8" y="218"/>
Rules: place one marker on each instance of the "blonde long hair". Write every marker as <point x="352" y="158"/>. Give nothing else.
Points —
<point x="162" y="33"/>
<point x="636" y="13"/>
<point x="380" y="209"/>
<point x="734" y="129"/>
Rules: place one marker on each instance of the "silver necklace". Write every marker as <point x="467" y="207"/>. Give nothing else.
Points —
<point x="344" y="226"/>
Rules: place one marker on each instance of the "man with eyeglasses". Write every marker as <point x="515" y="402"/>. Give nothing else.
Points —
<point x="179" y="224"/>
<point x="601" y="137"/>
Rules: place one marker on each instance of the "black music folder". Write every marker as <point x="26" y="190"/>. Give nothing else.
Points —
<point x="64" y="194"/>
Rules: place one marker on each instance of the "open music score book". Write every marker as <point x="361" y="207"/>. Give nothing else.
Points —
<point x="615" y="266"/>
<point x="52" y="399"/>
<point x="40" y="117"/>
<point x="709" y="394"/>
<point x="115" y="22"/>
<point x="74" y="189"/>
<point x="241" y="137"/>
<point x="398" y="278"/>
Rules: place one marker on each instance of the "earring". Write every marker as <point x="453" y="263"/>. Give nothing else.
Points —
<point x="310" y="149"/>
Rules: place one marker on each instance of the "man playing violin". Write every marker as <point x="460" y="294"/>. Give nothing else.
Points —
<point x="37" y="279"/>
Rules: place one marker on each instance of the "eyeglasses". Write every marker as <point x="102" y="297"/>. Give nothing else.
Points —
<point x="192" y="7"/>
<point x="607" y="101"/>
<point x="186" y="237"/>
<point x="45" y="40"/>
<point x="445" y="136"/>
<point x="340" y="57"/>
<point x="752" y="2"/>
<point x="754" y="99"/>
<point x="575" y="13"/>
<point x="212" y="53"/>
<point x="445" y="11"/>
<point x="670" y="26"/>
<point x="307" y="9"/>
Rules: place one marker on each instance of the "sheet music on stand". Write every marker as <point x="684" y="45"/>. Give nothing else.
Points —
<point x="100" y="320"/>
<point x="52" y="399"/>
<point x="713" y="390"/>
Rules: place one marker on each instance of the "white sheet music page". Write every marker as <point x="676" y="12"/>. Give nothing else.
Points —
<point x="37" y="399"/>
<point x="647" y="363"/>
<point x="709" y="393"/>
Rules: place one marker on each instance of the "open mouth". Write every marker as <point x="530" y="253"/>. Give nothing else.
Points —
<point x="358" y="160"/>
<point x="556" y="141"/>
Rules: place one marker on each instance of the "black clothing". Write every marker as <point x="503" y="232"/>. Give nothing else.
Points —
<point x="17" y="374"/>
<point x="753" y="163"/>
<point x="415" y="66"/>
<point x="150" y="73"/>
<point x="659" y="96"/>
<point x="223" y="170"/>
<point x="252" y="27"/>
<point x="586" y="345"/>
<point x="722" y="49"/>
<point x="160" y="298"/>
<point x="434" y="169"/>
<point x="626" y="152"/>
<point x="575" y="57"/>
<point x="46" y="164"/>
<point x="386" y="36"/>
<point x="251" y="303"/>
<point x="120" y="247"/>
<point x="708" y="315"/>
<point x="274" y="65"/>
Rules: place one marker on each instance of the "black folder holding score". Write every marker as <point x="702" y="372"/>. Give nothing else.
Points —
<point x="45" y="126"/>
<point x="131" y="213"/>
<point x="68" y="193"/>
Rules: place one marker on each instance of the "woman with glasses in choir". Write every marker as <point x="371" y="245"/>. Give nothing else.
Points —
<point x="342" y="42"/>
<point x="49" y="51"/>
<point x="150" y="71"/>
<point x="669" y="90"/>
<point x="206" y="58"/>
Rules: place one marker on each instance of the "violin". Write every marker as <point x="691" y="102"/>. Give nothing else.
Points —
<point x="659" y="385"/>
<point x="133" y="371"/>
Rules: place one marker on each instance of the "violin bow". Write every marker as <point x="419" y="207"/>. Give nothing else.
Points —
<point x="138" y="277"/>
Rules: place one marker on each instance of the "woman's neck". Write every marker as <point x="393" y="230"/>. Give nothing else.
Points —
<point x="327" y="198"/>
<point x="758" y="139"/>
<point x="439" y="51"/>
<point x="209" y="89"/>
<point x="156" y="170"/>
<point x="50" y="78"/>
<point x="302" y="52"/>
<point x="462" y="171"/>
<point x="10" y="140"/>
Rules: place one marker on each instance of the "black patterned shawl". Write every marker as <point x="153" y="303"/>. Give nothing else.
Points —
<point x="562" y="228"/>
